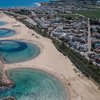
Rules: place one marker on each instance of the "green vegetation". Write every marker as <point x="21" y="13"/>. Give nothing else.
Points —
<point x="93" y="13"/>
<point x="68" y="15"/>
<point x="86" y="67"/>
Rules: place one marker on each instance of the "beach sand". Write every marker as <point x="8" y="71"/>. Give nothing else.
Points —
<point x="52" y="61"/>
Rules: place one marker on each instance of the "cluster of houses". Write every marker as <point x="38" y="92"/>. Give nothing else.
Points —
<point x="74" y="33"/>
<point x="95" y="34"/>
<point x="72" y="30"/>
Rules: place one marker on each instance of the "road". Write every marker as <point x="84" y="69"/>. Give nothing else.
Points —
<point x="89" y="36"/>
<point x="56" y="28"/>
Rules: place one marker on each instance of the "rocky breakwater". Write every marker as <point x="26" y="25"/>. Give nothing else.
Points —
<point x="5" y="82"/>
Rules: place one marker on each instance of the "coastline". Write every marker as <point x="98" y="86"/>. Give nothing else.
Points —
<point x="22" y="4"/>
<point x="38" y="4"/>
<point x="52" y="61"/>
<point x="56" y="76"/>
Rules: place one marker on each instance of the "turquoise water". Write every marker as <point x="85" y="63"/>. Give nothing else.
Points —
<point x="2" y="23"/>
<point x="19" y="3"/>
<point x="17" y="51"/>
<point x="34" y="85"/>
<point x="6" y="32"/>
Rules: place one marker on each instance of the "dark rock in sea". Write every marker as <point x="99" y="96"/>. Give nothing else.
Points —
<point x="5" y="82"/>
<point x="9" y="98"/>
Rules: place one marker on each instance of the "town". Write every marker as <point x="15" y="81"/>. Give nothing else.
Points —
<point x="73" y="27"/>
<point x="57" y="20"/>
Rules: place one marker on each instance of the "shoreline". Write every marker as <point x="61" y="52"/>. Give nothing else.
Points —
<point x="34" y="43"/>
<point x="51" y="60"/>
<point x="56" y="76"/>
<point x="32" y="5"/>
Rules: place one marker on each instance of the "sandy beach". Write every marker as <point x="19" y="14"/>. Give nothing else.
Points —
<point x="52" y="61"/>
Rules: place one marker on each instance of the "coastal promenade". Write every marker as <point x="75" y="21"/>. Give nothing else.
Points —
<point x="78" y="86"/>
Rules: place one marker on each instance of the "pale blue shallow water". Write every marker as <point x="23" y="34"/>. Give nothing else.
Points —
<point x="2" y="23"/>
<point x="19" y="3"/>
<point x="6" y="32"/>
<point x="17" y="51"/>
<point x="34" y="85"/>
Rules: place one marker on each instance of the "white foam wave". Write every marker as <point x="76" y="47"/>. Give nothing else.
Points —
<point x="38" y="4"/>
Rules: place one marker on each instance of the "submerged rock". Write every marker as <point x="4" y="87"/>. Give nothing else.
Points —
<point x="9" y="98"/>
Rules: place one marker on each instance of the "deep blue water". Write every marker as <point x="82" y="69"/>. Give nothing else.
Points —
<point x="19" y="3"/>
<point x="34" y="85"/>
<point x="6" y="32"/>
<point x="17" y="51"/>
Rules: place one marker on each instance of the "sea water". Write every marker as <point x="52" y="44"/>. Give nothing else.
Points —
<point x="6" y="32"/>
<point x="19" y="3"/>
<point x="13" y="51"/>
<point x="34" y="85"/>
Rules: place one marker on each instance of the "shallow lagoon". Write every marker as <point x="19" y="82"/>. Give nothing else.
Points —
<point x="34" y="85"/>
<point x="13" y="51"/>
<point x="6" y="32"/>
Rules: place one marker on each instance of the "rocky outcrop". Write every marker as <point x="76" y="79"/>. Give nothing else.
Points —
<point x="5" y="82"/>
<point x="9" y="98"/>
